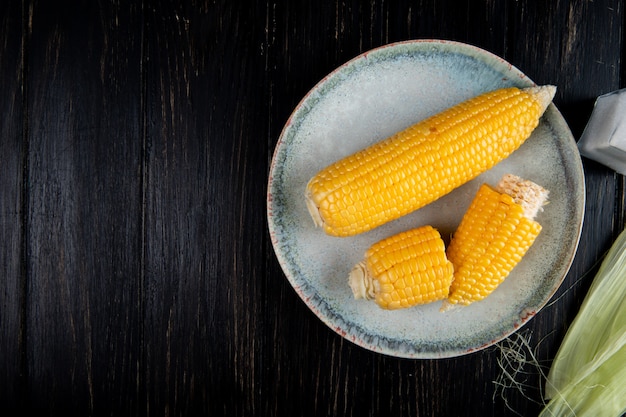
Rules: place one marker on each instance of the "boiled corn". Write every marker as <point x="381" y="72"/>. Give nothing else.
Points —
<point x="424" y="162"/>
<point x="495" y="233"/>
<point x="404" y="270"/>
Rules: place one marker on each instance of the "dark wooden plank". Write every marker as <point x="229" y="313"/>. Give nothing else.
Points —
<point x="204" y="207"/>
<point x="84" y="199"/>
<point x="12" y="149"/>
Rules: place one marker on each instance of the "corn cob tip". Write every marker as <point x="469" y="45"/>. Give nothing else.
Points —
<point x="362" y="282"/>
<point x="313" y="209"/>
<point x="543" y="94"/>
<point x="447" y="306"/>
<point x="532" y="197"/>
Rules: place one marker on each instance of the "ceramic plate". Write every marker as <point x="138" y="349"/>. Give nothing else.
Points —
<point x="367" y="99"/>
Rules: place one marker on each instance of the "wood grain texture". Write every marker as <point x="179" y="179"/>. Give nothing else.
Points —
<point x="138" y="277"/>
<point x="205" y="200"/>
<point x="84" y="208"/>
<point x="12" y="149"/>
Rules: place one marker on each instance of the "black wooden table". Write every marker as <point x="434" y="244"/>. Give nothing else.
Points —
<point x="137" y="273"/>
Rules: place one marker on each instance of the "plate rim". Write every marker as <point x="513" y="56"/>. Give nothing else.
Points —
<point x="318" y="305"/>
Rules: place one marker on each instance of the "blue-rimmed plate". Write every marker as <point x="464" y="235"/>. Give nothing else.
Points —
<point x="367" y="99"/>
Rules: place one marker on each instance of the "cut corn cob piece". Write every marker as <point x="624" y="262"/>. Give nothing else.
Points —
<point x="495" y="233"/>
<point x="404" y="270"/>
<point x="424" y="162"/>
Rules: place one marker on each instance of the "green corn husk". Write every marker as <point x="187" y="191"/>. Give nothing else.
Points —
<point x="588" y="375"/>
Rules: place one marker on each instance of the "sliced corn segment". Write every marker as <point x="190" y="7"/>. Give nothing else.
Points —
<point x="424" y="162"/>
<point x="495" y="233"/>
<point x="404" y="270"/>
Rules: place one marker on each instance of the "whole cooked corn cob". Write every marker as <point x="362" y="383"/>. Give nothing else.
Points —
<point x="495" y="233"/>
<point x="404" y="270"/>
<point x="424" y="162"/>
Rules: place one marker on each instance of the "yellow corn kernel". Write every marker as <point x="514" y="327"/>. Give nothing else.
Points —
<point x="424" y="162"/>
<point x="404" y="270"/>
<point x="495" y="233"/>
